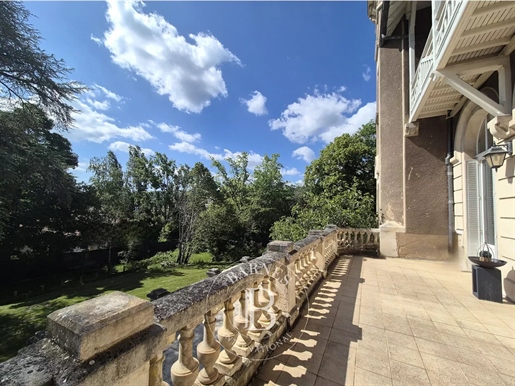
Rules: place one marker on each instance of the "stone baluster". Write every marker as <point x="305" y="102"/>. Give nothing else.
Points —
<point x="208" y="351"/>
<point x="264" y="302"/>
<point x="255" y="327"/>
<point x="244" y="344"/>
<point x="228" y="361"/>
<point x="307" y="268"/>
<point x="298" y="276"/>
<point x="273" y="293"/>
<point x="156" y="371"/>
<point x="354" y="238"/>
<point x="302" y="271"/>
<point x="314" y="265"/>
<point x="185" y="370"/>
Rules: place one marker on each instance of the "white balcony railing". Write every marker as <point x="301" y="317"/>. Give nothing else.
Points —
<point x="421" y="79"/>
<point x="445" y="17"/>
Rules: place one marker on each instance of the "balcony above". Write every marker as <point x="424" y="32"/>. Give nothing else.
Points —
<point x="469" y="40"/>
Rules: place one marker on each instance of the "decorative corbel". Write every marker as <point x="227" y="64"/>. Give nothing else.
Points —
<point x="411" y="129"/>
<point x="500" y="127"/>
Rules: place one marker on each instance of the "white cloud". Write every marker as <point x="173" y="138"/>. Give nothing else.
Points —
<point x="97" y="97"/>
<point x="146" y="44"/>
<point x="290" y="172"/>
<point x="81" y="167"/>
<point x="304" y="153"/>
<point x="99" y="92"/>
<point x="108" y="94"/>
<point x="95" y="126"/>
<point x="366" y="74"/>
<point x="256" y="104"/>
<point x="178" y="133"/>
<point x="186" y="147"/>
<point x="254" y="159"/>
<point x="364" y="115"/>
<point x="92" y="122"/>
<point x="124" y="147"/>
<point x="98" y="105"/>
<point x="96" y="40"/>
<point x="312" y="116"/>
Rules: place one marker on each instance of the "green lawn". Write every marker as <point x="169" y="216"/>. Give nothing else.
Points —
<point x="19" y="321"/>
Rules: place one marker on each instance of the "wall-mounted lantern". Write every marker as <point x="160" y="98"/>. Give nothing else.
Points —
<point x="496" y="155"/>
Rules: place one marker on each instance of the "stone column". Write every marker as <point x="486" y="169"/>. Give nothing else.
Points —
<point x="156" y="371"/>
<point x="244" y="344"/>
<point x="264" y="301"/>
<point x="255" y="327"/>
<point x="185" y="370"/>
<point x="228" y="361"/>
<point x="208" y="351"/>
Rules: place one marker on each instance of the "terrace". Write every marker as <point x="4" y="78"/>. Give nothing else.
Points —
<point x="311" y="313"/>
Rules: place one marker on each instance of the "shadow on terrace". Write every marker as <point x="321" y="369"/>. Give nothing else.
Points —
<point x="323" y="341"/>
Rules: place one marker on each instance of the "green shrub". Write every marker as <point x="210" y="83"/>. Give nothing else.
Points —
<point x="162" y="261"/>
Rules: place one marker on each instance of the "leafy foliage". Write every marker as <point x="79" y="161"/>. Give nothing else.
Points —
<point x="27" y="73"/>
<point x="339" y="188"/>
<point x="42" y="206"/>
<point x="238" y="221"/>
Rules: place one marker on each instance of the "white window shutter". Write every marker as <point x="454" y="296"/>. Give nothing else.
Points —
<point x="473" y="228"/>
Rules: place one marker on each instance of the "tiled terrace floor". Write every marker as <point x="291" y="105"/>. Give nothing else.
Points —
<point x="396" y="322"/>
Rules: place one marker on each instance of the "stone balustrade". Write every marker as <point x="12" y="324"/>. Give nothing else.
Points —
<point x="355" y="240"/>
<point x="118" y="339"/>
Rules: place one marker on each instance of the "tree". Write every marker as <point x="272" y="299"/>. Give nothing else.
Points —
<point x="109" y="182"/>
<point x="346" y="162"/>
<point x="339" y="188"/>
<point x="27" y="73"/>
<point x="238" y="221"/>
<point x="145" y="221"/>
<point x="162" y="183"/>
<point x="271" y="197"/>
<point x="194" y="191"/>
<point x="113" y="199"/>
<point x="41" y="204"/>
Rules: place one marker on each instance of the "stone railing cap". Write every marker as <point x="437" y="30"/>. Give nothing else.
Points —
<point x="89" y="327"/>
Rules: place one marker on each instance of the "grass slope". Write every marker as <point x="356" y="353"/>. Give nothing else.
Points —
<point x="19" y="321"/>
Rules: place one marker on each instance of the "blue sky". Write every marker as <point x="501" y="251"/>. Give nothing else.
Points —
<point x="200" y="79"/>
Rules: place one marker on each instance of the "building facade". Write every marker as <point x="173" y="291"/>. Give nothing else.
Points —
<point x="445" y="92"/>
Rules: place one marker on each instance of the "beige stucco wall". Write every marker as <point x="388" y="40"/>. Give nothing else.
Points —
<point x="412" y="182"/>
<point x="504" y="185"/>
<point x="390" y="132"/>
<point x="505" y="207"/>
